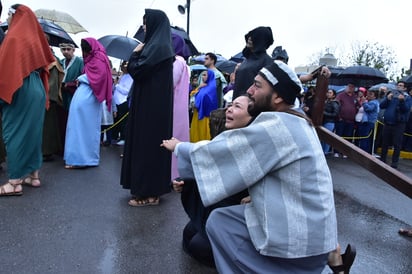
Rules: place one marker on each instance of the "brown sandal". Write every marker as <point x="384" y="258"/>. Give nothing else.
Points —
<point x="31" y="181"/>
<point x="406" y="232"/>
<point x="137" y="202"/>
<point x="3" y="191"/>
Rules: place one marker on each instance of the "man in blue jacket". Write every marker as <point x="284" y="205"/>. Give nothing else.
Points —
<point x="397" y="105"/>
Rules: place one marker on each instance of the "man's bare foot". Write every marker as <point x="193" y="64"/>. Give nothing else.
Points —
<point x="335" y="259"/>
<point x="341" y="263"/>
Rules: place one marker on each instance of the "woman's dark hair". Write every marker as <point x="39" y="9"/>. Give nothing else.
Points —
<point x="85" y="46"/>
<point x="375" y="92"/>
<point x="15" y="6"/>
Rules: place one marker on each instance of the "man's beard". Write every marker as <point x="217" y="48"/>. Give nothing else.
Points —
<point x="255" y="108"/>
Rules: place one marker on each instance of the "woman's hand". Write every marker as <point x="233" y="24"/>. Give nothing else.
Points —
<point x="139" y="47"/>
<point x="170" y="144"/>
<point x="178" y="185"/>
<point x="245" y="200"/>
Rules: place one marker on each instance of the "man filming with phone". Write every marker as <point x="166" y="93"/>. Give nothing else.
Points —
<point x="397" y="105"/>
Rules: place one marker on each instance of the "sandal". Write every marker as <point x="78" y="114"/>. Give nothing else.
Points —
<point x="136" y="202"/>
<point x="74" y="167"/>
<point x="31" y="181"/>
<point x="347" y="260"/>
<point x="3" y="191"/>
<point x="406" y="232"/>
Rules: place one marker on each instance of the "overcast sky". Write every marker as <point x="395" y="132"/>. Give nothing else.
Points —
<point x="303" y="28"/>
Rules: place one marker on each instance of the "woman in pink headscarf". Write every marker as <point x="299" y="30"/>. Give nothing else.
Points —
<point x="82" y="147"/>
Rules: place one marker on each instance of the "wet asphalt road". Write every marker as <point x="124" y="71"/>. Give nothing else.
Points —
<point x="79" y="222"/>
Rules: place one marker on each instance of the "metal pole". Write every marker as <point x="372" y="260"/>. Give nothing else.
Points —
<point x="188" y="16"/>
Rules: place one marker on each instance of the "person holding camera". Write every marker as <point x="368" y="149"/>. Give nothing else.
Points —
<point x="397" y="105"/>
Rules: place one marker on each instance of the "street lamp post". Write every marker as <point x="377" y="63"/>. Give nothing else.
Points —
<point x="182" y="9"/>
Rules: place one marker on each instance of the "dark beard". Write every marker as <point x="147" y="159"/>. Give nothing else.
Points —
<point x="255" y="109"/>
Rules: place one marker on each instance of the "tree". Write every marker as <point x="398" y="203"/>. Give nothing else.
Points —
<point x="375" y="55"/>
<point x="371" y="54"/>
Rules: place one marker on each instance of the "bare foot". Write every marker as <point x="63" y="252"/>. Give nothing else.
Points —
<point x="32" y="181"/>
<point x="11" y="188"/>
<point x="335" y="259"/>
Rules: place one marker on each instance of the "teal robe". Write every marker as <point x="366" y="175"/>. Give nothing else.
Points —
<point x="23" y="127"/>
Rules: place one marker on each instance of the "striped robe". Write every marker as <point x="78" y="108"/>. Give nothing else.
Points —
<point x="280" y="160"/>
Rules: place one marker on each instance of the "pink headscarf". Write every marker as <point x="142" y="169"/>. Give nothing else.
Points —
<point x="97" y="69"/>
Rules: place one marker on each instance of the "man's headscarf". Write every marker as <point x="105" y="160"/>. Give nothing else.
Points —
<point x="157" y="40"/>
<point x="23" y="50"/>
<point x="97" y="69"/>
<point x="283" y="80"/>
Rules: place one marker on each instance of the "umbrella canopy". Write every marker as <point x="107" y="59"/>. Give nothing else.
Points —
<point x="139" y="35"/>
<point x="201" y="58"/>
<point x="61" y="18"/>
<point x="389" y="86"/>
<point x="407" y="79"/>
<point x="56" y="33"/>
<point x="118" y="46"/>
<point x="333" y="80"/>
<point x="238" y="57"/>
<point x="362" y="76"/>
<point x="226" y="66"/>
<point x="197" y="67"/>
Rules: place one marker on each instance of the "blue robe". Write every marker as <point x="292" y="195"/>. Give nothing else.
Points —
<point x="82" y="147"/>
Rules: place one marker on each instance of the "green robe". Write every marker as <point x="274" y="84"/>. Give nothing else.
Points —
<point x="23" y="127"/>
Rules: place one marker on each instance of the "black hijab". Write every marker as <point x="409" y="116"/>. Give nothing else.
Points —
<point x="158" y="39"/>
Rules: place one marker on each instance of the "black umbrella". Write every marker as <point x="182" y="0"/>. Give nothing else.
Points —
<point x="56" y="33"/>
<point x="407" y="79"/>
<point x="362" y="76"/>
<point x="118" y="46"/>
<point x="176" y="30"/>
<point x="334" y="80"/>
<point x="226" y="66"/>
<point x="238" y="57"/>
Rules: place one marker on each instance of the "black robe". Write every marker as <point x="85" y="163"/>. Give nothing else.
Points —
<point x="146" y="166"/>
